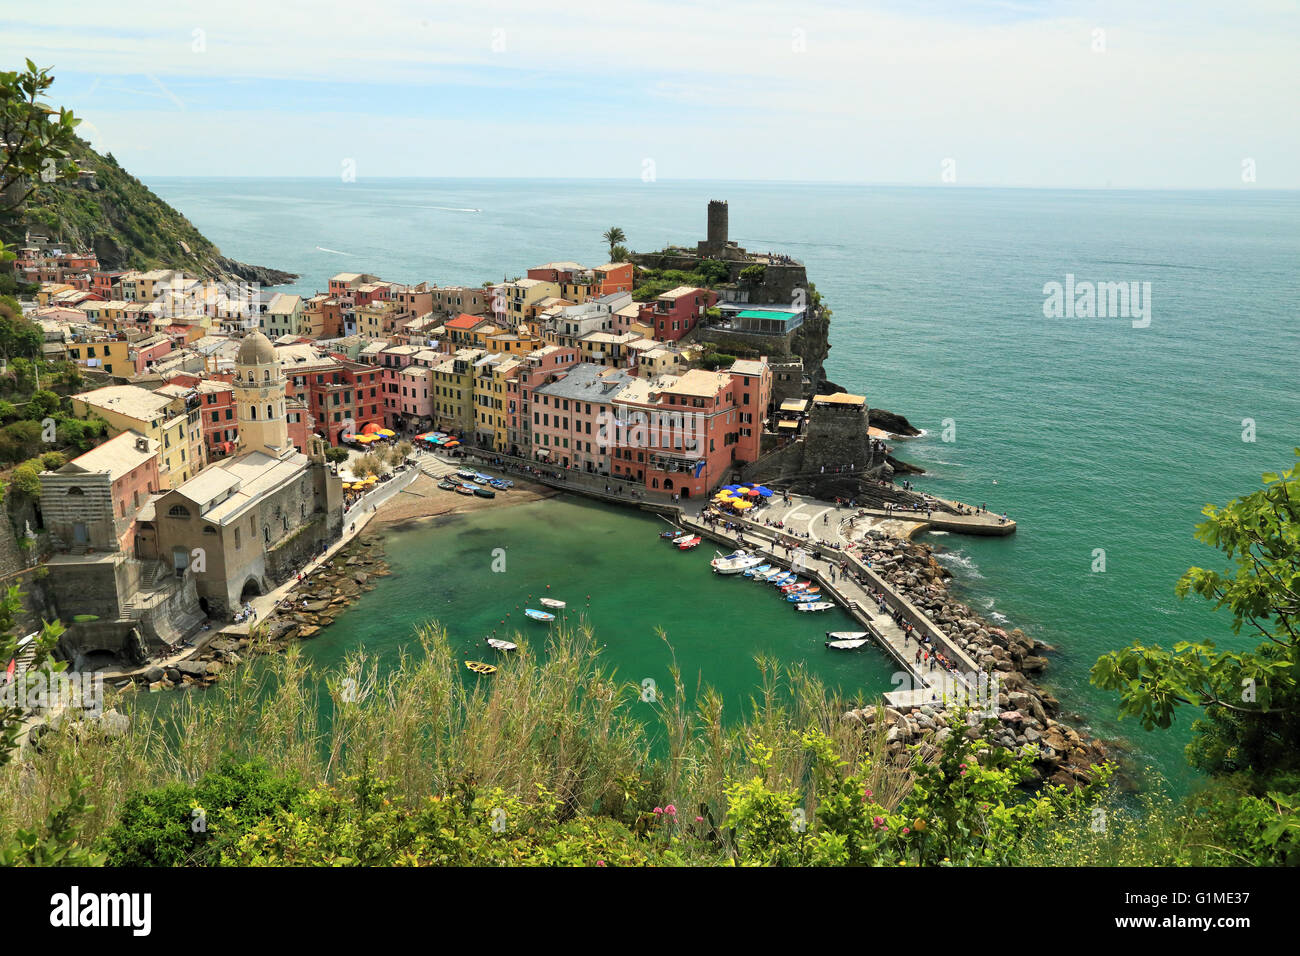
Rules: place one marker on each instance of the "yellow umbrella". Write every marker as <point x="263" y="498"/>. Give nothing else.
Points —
<point x="370" y="480"/>
<point x="742" y="505"/>
<point x="387" y="433"/>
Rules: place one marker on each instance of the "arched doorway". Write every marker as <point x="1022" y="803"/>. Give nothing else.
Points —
<point x="668" y="484"/>
<point x="251" y="589"/>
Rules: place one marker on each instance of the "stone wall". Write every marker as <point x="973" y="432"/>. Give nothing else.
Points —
<point x="836" y="435"/>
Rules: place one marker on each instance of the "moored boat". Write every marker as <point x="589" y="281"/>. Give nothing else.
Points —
<point x="754" y="572"/>
<point x="683" y="537"/>
<point x="847" y="645"/>
<point x="735" y="563"/>
<point x="848" y="635"/>
<point x="537" y="615"/>
<point x="802" y="597"/>
<point x="688" y="543"/>
<point x="551" y="602"/>
<point x="478" y="667"/>
<point x="814" y="606"/>
<point x="500" y="645"/>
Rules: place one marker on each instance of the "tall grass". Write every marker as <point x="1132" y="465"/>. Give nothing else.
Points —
<point x="555" y="718"/>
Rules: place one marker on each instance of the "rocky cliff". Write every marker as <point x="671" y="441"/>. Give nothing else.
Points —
<point x="125" y="224"/>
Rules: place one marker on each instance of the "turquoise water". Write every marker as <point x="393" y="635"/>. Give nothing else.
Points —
<point x="474" y="574"/>
<point x="1098" y="435"/>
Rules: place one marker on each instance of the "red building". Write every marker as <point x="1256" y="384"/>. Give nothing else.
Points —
<point x="344" y="397"/>
<point x="676" y="312"/>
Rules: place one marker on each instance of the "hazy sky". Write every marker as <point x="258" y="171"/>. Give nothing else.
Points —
<point x="1122" y="94"/>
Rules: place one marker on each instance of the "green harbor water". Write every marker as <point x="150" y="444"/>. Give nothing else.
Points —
<point x="615" y="573"/>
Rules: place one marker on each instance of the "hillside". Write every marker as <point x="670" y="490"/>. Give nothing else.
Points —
<point x="126" y="224"/>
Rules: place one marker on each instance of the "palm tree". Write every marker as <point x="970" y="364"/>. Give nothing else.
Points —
<point x="614" y="235"/>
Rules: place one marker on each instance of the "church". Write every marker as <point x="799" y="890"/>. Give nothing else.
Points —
<point x="247" y="523"/>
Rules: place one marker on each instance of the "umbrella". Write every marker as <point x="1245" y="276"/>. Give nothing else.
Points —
<point x="765" y="492"/>
<point x="371" y="480"/>
<point x="730" y="487"/>
<point x="744" y="504"/>
<point x="387" y="433"/>
<point x="753" y="492"/>
<point x="370" y="429"/>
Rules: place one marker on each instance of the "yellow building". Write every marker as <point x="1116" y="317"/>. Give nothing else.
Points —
<point x="453" y="391"/>
<point x="164" y="418"/>
<point x="519" y="298"/>
<point x="110" y="355"/>
<point x="491" y="399"/>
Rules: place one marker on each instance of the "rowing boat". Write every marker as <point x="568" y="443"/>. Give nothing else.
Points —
<point x="537" y="615"/>
<point x="685" y="537"/>
<point x="847" y="635"/>
<point x="551" y="602"/>
<point x="846" y="645"/>
<point x="755" y="572"/>
<point x="478" y="667"/>
<point x="501" y="645"/>
<point x="691" y="542"/>
<point x="814" y="606"/>
<point x="802" y="597"/>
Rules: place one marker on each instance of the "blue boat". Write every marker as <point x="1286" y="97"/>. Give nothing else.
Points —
<point x="498" y="484"/>
<point x="538" y="615"/>
<point x="781" y="579"/>
<point x="802" y="598"/>
<point x="758" y="570"/>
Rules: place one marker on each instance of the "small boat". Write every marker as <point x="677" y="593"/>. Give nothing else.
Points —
<point x="507" y="482"/>
<point x="769" y="576"/>
<point x="500" y="645"/>
<point x="735" y="564"/>
<point x="480" y="479"/>
<point x="478" y="667"/>
<point x="796" y="586"/>
<point x="847" y="645"/>
<point x="446" y="485"/>
<point x="465" y="489"/>
<point x="537" y="615"/>
<point x="683" y="537"/>
<point x="686" y="545"/>
<point x="485" y="492"/>
<point x="780" y="579"/>
<point x="814" y="606"/>
<point x="670" y="534"/>
<point x="802" y="597"/>
<point x="466" y="474"/>
<point x="498" y="484"/>
<point x="551" y="602"/>
<point x="758" y="570"/>
<point x="848" y="635"/>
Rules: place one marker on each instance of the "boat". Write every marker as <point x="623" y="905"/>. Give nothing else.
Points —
<point x="847" y="645"/>
<point x="683" y="537"/>
<point x="465" y="473"/>
<point x="692" y="542"/>
<point x="498" y="484"/>
<point x="814" y="606"/>
<point x="507" y="482"/>
<point x="670" y="534"/>
<point x="802" y="596"/>
<point x="485" y="492"/>
<point x="780" y="579"/>
<point x="537" y="615"/>
<point x="480" y="479"/>
<point x="848" y="635"/>
<point x="500" y="645"/>
<point x="735" y="563"/>
<point x="465" y="489"/>
<point x="478" y="667"/>
<point x="551" y="602"/>
<point x="796" y="586"/>
<point x="758" y="570"/>
<point x="446" y="485"/>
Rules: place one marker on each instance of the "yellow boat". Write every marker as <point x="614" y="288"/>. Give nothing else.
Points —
<point x="478" y="667"/>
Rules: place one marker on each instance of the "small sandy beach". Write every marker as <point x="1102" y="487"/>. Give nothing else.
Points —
<point x="424" y="499"/>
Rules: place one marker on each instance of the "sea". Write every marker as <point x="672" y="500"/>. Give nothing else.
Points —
<point x="1103" y="432"/>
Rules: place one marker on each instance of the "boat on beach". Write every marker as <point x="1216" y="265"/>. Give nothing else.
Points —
<point x="478" y="667"/>
<point x="485" y="492"/>
<point x="500" y="645"/>
<point x="446" y="485"/>
<point x="536" y="615"/>
<point x="551" y="602"/>
<point x="464" y="489"/>
<point x="814" y="606"/>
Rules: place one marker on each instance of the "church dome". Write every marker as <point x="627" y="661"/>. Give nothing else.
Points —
<point x="256" y="349"/>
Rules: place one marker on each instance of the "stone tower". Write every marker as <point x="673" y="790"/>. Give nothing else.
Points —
<point x="716" y="240"/>
<point x="260" y="398"/>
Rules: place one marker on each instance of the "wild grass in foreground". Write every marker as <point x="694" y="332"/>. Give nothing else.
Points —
<point x="549" y="761"/>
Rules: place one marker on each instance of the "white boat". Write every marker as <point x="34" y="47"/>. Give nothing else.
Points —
<point x="846" y="645"/>
<point x="770" y="574"/>
<point x="734" y="564"/>
<point x="551" y="602"/>
<point x="782" y="579"/>
<point x="755" y="572"/>
<point x="501" y="645"/>
<point x="686" y="537"/>
<point x="815" y="606"/>
<point x="848" y="635"/>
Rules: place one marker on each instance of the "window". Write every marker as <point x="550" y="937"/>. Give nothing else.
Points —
<point x="178" y="511"/>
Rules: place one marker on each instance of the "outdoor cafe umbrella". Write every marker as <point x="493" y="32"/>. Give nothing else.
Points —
<point x="744" y="504"/>
<point x="753" y="492"/>
<point x="765" y="492"/>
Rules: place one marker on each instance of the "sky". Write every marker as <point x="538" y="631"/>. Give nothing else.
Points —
<point x="1135" y="94"/>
